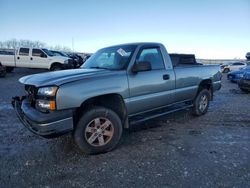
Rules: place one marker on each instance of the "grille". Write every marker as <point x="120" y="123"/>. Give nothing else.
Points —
<point x="32" y="91"/>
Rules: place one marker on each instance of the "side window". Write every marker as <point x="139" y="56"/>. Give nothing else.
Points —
<point x="38" y="53"/>
<point x="152" y="55"/>
<point x="238" y="64"/>
<point x="24" y="51"/>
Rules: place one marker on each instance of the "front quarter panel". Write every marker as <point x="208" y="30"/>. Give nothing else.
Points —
<point x="73" y="94"/>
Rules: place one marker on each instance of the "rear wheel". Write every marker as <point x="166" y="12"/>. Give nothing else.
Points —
<point x="9" y="69"/>
<point x="201" y="102"/>
<point x="98" y="130"/>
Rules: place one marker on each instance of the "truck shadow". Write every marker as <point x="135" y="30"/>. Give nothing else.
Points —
<point x="131" y="137"/>
<point x="179" y="117"/>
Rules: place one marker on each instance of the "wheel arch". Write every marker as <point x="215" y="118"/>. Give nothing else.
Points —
<point x="112" y="101"/>
<point x="206" y="84"/>
<point x="55" y="64"/>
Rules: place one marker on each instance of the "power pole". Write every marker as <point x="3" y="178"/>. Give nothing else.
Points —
<point x="73" y="44"/>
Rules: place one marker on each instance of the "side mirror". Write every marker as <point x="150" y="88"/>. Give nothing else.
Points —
<point x="142" y="66"/>
<point x="43" y="55"/>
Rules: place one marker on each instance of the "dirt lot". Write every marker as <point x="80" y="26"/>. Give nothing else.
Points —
<point x="175" y="151"/>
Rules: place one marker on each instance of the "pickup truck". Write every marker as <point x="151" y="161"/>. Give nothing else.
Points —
<point x="116" y="87"/>
<point x="33" y="58"/>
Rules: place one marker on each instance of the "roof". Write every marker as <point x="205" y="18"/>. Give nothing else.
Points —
<point x="137" y="44"/>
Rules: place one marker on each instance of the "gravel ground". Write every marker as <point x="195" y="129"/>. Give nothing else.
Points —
<point x="178" y="150"/>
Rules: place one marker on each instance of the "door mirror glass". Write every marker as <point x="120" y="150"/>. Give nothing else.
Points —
<point x="142" y="66"/>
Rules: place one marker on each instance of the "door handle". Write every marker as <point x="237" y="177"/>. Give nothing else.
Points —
<point x="166" y="77"/>
<point x="31" y="58"/>
<point x="18" y="57"/>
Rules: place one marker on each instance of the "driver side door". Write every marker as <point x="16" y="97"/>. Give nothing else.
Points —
<point x="151" y="89"/>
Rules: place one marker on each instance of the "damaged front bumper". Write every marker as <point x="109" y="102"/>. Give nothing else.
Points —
<point x="47" y="125"/>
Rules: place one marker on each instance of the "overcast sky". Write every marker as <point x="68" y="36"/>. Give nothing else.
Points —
<point x="210" y="29"/>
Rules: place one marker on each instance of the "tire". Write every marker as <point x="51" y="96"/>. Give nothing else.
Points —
<point x="3" y="73"/>
<point x="9" y="69"/>
<point x="226" y="70"/>
<point x="56" y="67"/>
<point x="244" y="90"/>
<point x="201" y="102"/>
<point x="98" y="131"/>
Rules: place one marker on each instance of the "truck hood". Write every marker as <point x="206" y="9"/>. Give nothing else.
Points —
<point x="59" y="58"/>
<point x="61" y="77"/>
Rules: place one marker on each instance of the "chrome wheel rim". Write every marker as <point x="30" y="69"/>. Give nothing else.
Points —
<point x="203" y="103"/>
<point x="99" y="131"/>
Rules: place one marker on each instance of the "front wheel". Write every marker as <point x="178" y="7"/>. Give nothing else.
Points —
<point x="99" y="130"/>
<point x="3" y="73"/>
<point x="226" y="70"/>
<point x="56" y="67"/>
<point x="201" y="102"/>
<point x="244" y="90"/>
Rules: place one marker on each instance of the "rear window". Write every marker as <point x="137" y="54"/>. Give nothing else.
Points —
<point x="7" y="52"/>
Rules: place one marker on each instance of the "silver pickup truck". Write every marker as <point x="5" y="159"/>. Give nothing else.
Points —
<point x="117" y="86"/>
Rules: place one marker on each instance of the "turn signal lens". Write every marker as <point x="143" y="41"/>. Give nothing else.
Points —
<point x="52" y="105"/>
<point x="46" y="105"/>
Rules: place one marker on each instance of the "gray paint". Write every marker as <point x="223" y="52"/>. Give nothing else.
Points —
<point x="141" y="91"/>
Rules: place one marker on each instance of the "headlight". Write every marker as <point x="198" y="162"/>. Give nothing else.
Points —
<point x="46" y="98"/>
<point x="47" y="91"/>
<point x="240" y="75"/>
<point x="66" y="61"/>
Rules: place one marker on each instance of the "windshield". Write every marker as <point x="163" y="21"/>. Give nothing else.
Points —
<point x="47" y="52"/>
<point x="112" y="58"/>
<point x="57" y="53"/>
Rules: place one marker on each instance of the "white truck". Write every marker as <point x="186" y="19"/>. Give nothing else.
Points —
<point x="233" y="66"/>
<point x="34" y="58"/>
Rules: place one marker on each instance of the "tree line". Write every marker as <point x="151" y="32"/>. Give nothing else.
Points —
<point x="14" y="43"/>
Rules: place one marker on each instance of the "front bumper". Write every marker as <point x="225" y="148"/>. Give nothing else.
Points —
<point x="244" y="84"/>
<point x="47" y="125"/>
<point x="68" y="66"/>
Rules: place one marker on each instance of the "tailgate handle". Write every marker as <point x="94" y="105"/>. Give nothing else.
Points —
<point x="166" y="77"/>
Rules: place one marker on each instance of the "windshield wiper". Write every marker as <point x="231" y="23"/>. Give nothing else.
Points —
<point x="97" y="67"/>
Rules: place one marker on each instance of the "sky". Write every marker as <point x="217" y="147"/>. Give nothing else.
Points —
<point x="210" y="29"/>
